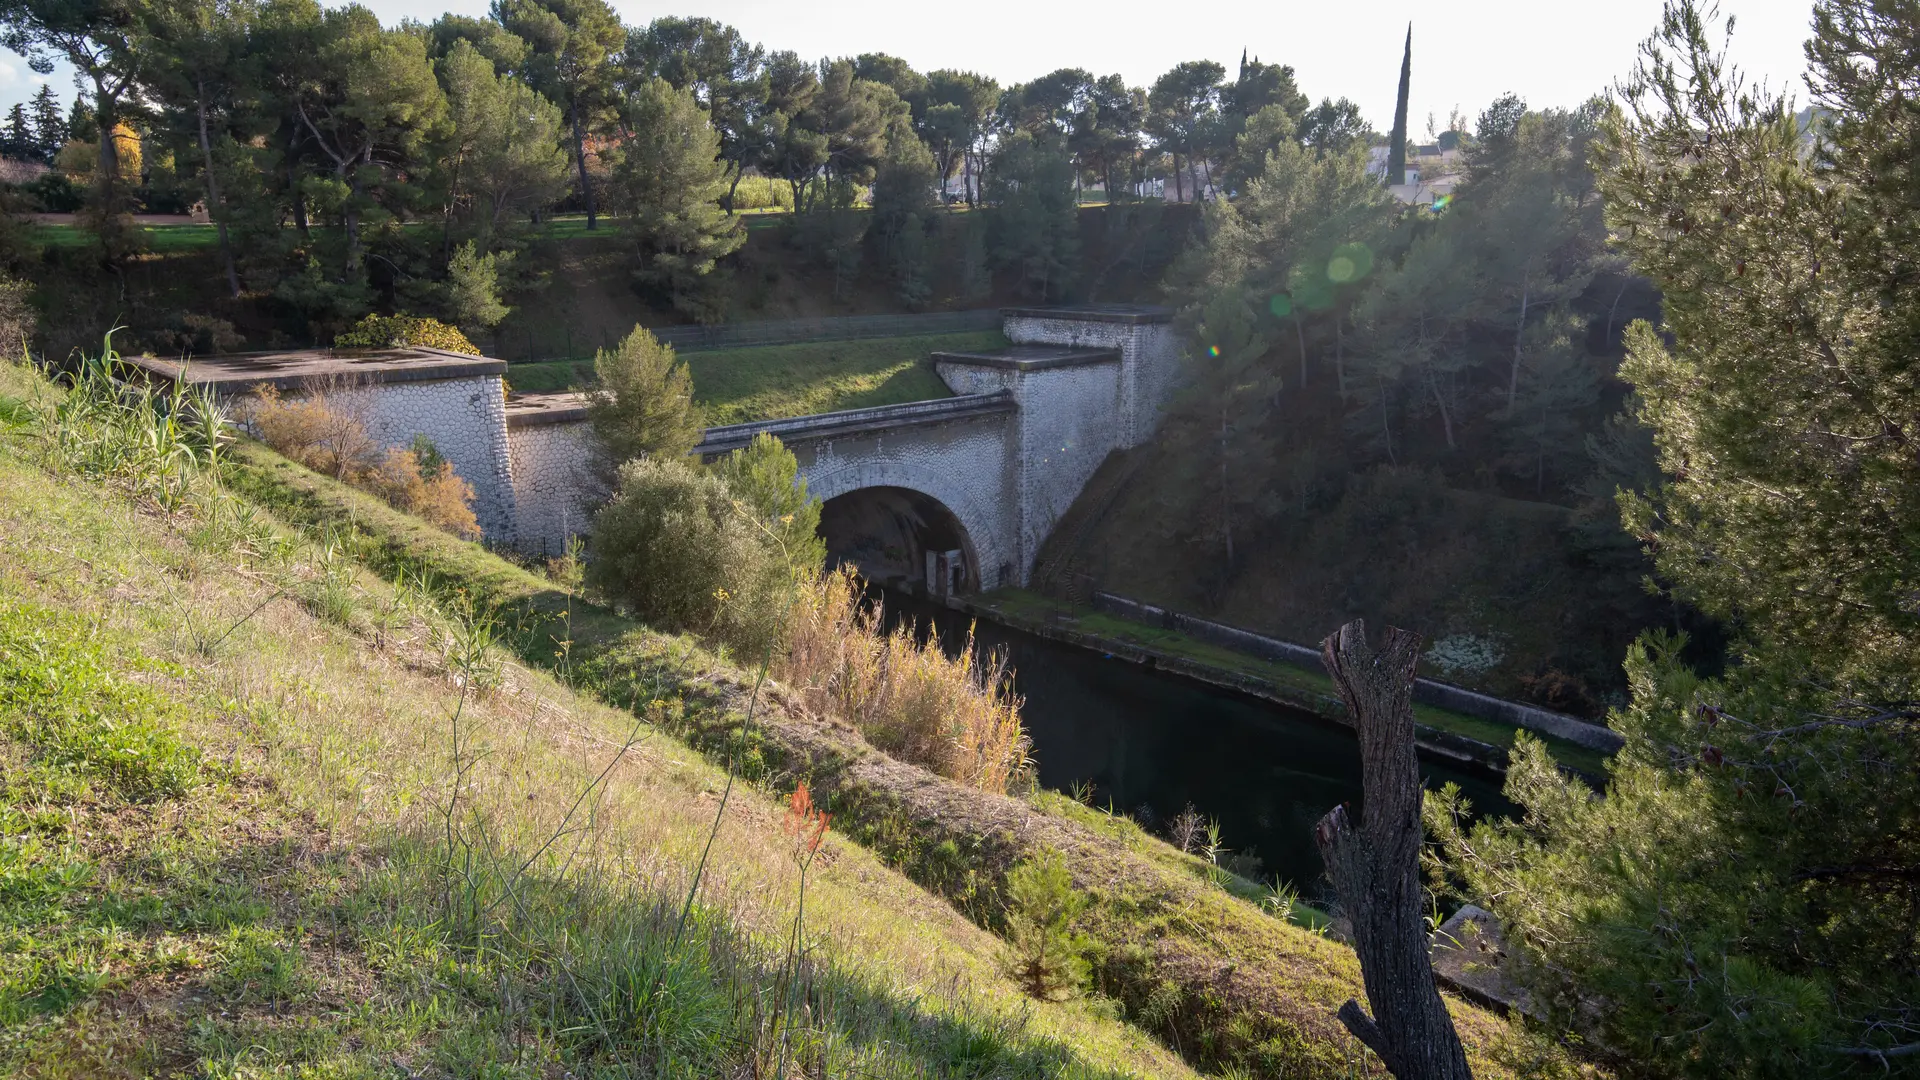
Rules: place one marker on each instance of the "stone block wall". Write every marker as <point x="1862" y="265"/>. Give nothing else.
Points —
<point x="554" y="487"/>
<point x="1150" y="357"/>
<point x="464" y="417"/>
<point x="1063" y="429"/>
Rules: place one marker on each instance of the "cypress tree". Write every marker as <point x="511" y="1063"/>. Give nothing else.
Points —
<point x="1397" y="150"/>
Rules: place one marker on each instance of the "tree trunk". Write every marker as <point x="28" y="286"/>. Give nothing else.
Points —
<point x="296" y="198"/>
<point x="1179" y="193"/>
<point x="1446" y="417"/>
<point x="1614" y="308"/>
<point x="1300" y="334"/>
<point x="1226" y="496"/>
<point x="350" y="218"/>
<point x="734" y="187"/>
<point x="106" y="115"/>
<point x="1386" y="425"/>
<point x="1375" y="866"/>
<point x="1519" y="336"/>
<point x="214" y="205"/>
<point x="1340" y="356"/>
<point x="580" y="160"/>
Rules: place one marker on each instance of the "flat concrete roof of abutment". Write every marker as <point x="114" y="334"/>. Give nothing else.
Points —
<point x="1031" y="357"/>
<point x="1130" y="314"/>
<point x="304" y="367"/>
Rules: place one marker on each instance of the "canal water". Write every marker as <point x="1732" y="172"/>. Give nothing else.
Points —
<point x="1152" y="743"/>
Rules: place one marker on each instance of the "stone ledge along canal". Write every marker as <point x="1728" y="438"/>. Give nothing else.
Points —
<point x="1151" y="742"/>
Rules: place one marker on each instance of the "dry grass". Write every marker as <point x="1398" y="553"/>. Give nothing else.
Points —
<point x="957" y="716"/>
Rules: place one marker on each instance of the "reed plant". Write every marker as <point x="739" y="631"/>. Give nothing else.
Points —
<point x="955" y="715"/>
<point x="159" y="442"/>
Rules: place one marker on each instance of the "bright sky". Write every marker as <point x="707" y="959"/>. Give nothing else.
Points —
<point x="1465" y="54"/>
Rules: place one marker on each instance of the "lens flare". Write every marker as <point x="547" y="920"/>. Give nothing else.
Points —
<point x="1442" y="203"/>
<point x="1281" y="306"/>
<point x="1213" y="350"/>
<point x="1350" y="263"/>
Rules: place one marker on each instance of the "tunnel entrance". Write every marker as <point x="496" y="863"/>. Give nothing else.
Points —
<point x="896" y="535"/>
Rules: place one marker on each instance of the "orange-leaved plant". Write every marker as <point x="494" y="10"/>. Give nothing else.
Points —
<point x="806" y="824"/>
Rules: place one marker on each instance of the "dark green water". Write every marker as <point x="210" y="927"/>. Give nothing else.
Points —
<point x="1151" y="743"/>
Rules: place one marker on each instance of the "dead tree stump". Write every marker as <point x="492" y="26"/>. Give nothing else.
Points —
<point x="1375" y="866"/>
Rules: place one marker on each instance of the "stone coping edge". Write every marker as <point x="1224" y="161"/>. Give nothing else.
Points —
<point x="1425" y="691"/>
<point x="1076" y="358"/>
<point x="472" y="367"/>
<point x="1139" y="317"/>
<point x="574" y="415"/>
<point x="719" y="440"/>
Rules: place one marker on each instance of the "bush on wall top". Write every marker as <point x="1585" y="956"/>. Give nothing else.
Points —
<point x="396" y="331"/>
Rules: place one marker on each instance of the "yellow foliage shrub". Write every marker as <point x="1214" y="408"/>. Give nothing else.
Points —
<point x="435" y="495"/>
<point x="314" y="430"/>
<point x="398" y="331"/>
<point x="957" y="716"/>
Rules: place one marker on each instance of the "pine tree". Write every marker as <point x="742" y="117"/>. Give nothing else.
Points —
<point x="1742" y="900"/>
<point x="669" y="185"/>
<point x="19" y="141"/>
<point x="50" y="130"/>
<point x="642" y="403"/>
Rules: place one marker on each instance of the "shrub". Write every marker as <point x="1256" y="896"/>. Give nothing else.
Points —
<point x="17" y="319"/>
<point x="425" y="486"/>
<point x="473" y="288"/>
<point x="957" y="716"/>
<point x="1049" y="957"/>
<point x="673" y="547"/>
<point x="191" y="334"/>
<point x="398" y="331"/>
<point x="317" y="429"/>
<point x="643" y="401"/>
<point x="55" y="193"/>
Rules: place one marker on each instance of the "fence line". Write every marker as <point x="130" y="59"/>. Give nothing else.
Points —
<point x="774" y="332"/>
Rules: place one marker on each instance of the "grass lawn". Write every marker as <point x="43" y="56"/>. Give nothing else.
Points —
<point x="769" y="382"/>
<point x="190" y="236"/>
<point x="162" y="239"/>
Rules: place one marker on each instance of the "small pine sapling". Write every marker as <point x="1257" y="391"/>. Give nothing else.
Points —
<point x="1042" y="904"/>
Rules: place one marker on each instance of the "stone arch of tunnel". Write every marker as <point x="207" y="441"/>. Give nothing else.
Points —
<point x="895" y="533"/>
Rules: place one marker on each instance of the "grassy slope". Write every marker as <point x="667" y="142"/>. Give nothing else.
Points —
<point x="224" y="753"/>
<point x="1229" y="985"/>
<point x="771" y="381"/>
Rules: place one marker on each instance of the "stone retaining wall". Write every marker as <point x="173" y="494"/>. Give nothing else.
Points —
<point x="1425" y="691"/>
<point x="554" y="488"/>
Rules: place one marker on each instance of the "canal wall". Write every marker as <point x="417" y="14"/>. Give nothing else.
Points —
<point x="1431" y="741"/>
<point x="1426" y="691"/>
